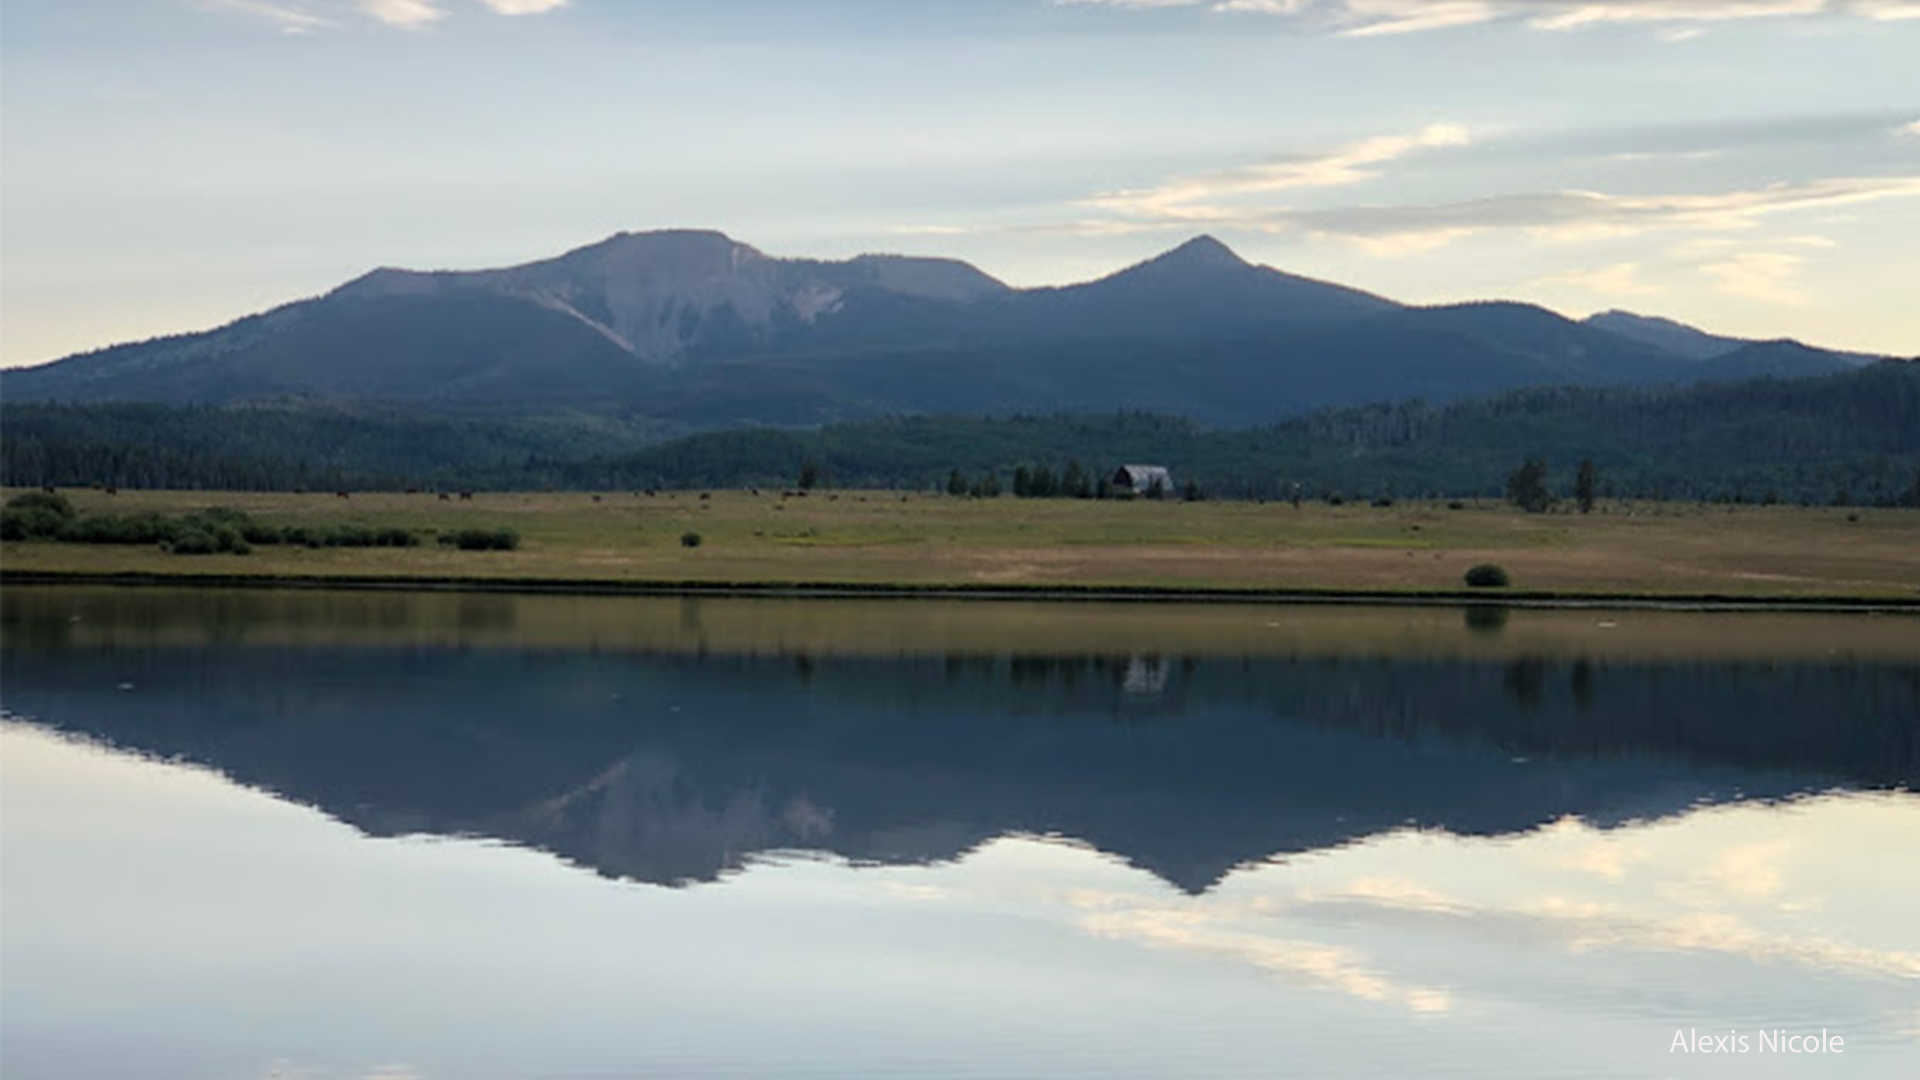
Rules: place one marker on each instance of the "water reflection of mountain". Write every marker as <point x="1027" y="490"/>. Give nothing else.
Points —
<point x="669" y="768"/>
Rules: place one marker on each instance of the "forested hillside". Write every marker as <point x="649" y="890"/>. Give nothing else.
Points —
<point x="1853" y="437"/>
<point x="267" y="448"/>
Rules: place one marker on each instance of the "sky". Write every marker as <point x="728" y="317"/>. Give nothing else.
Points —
<point x="1748" y="166"/>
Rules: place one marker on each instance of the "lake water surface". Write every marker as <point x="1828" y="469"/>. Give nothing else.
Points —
<point x="324" y="835"/>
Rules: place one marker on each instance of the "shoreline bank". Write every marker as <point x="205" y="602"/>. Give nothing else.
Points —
<point x="799" y="590"/>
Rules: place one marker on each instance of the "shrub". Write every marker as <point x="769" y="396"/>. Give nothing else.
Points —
<point x="256" y="533"/>
<point x="52" y="502"/>
<point x="1487" y="576"/>
<point x="482" y="539"/>
<point x="114" y="529"/>
<point x="689" y="539"/>
<point x="191" y="540"/>
<point x="29" y="523"/>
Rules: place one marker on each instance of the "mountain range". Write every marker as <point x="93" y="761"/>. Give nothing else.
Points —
<point x="694" y="330"/>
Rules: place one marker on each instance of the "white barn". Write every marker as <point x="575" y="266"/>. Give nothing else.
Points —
<point x="1143" y="479"/>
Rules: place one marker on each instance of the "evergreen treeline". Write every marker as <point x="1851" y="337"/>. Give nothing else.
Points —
<point x="1852" y="437"/>
<point x="281" y="448"/>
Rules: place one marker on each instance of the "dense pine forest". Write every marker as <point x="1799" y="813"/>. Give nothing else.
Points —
<point x="1848" y="438"/>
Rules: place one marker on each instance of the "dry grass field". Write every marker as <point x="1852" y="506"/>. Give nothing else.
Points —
<point x="878" y="538"/>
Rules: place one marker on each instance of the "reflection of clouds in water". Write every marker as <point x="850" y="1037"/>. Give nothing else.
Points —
<point x="1760" y="885"/>
<point x="288" y="1070"/>
<point x="1716" y="932"/>
<point x="1214" y="932"/>
<point x="1604" y="855"/>
<point x="1749" y="872"/>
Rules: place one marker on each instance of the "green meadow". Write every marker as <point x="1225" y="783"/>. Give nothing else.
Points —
<point x="879" y="538"/>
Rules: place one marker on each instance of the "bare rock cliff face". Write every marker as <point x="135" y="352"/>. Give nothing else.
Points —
<point x="658" y="294"/>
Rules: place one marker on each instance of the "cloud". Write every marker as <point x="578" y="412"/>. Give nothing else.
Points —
<point x="1619" y="281"/>
<point x="403" y="12"/>
<point x="1372" y="18"/>
<point x="523" y="7"/>
<point x="1765" y="276"/>
<point x="1559" y="216"/>
<point x="1909" y="129"/>
<point x="289" y="19"/>
<point x="1185" y="198"/>
<point x="302" y="16"/>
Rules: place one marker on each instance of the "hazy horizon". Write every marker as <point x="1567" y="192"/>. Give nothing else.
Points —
<point x="1752" y="169"/>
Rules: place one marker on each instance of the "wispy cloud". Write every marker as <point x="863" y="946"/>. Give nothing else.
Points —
<point x="1766" y="276"/>
<point x="523" y="7"/>
<point x="1617" y="282"/>
<point x="1682" y="18"/>
<point x="1188" y="198"/>
<point x="1388" y="229"/>
<point x="403" y="12"/>
<point x="303" y="16"/>
<point x="290" y="19"/>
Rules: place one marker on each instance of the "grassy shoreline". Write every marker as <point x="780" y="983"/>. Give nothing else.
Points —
<point x="930" y="591"/>
<point x="890" y="544"/>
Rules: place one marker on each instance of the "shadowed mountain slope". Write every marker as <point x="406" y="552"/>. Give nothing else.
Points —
<point x="693" y="329"/>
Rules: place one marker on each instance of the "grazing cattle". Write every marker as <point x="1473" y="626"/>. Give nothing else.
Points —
<point x="342" y="495"/>
<point x="48" y="488"/>
<point x="466" y="496"/>
<point x="596" y="498"/>
<point x="444" y="497"/>
<point x="111" y="490"/>
<point x="705" y="495"/>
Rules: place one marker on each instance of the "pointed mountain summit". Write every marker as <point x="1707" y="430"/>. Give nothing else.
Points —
<point x="1198" y="255"/>
<point x="1203" y="285"/>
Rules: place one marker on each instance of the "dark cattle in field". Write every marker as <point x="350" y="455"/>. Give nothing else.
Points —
<point x="444" y="497"/>
<point x="342" y="495"/>
<point x="466" y="496"/>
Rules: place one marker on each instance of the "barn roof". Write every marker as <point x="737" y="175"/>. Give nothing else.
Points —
<point x="1142" y="476"/>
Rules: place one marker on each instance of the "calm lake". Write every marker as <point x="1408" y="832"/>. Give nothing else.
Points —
<point x="321" y="835"/>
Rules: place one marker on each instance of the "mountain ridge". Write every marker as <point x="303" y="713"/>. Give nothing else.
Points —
<point x="694" y="328"/>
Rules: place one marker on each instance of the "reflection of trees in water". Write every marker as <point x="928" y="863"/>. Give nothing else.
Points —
<point x="1526" y="680"/>
<point x="1485" y="618"/>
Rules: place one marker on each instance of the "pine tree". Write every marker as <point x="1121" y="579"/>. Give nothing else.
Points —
<point x="1585" y="483"/>
<point x="1527" y="487"/>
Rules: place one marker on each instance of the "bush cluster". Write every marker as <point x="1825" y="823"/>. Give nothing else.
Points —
<point x="482" y="539"/>
<point x="43" y="516"/>
<point x="1487" y="576"/>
